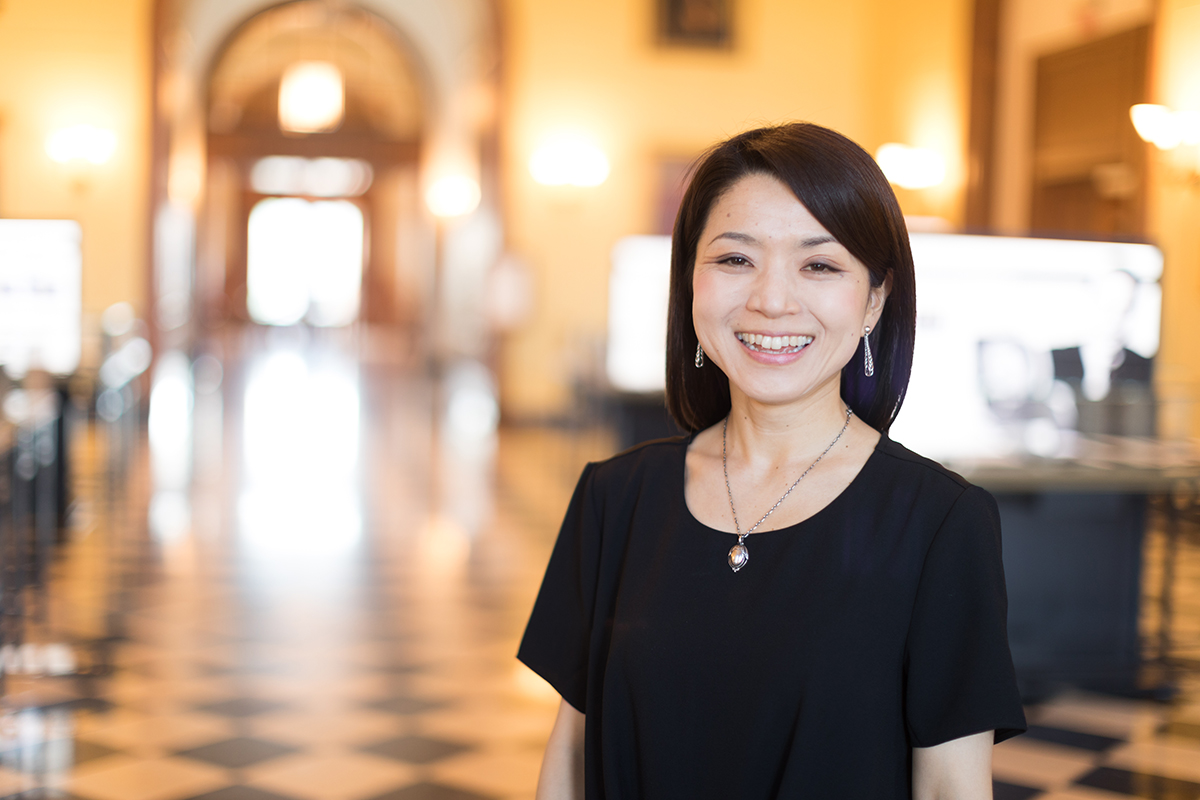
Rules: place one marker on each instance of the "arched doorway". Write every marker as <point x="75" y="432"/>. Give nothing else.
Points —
<point x="263" y="181"/>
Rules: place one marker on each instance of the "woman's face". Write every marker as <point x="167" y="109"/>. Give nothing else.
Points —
<point x="778" y="303"/>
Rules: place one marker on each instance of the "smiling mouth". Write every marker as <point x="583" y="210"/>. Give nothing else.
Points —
<point x="777" y="345"/>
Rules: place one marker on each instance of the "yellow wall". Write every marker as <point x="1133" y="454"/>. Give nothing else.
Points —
<point x="918" y="71"/>
<point x="874" y="69"/>
<point x="66" y="62"/>
<point x="1174" y="212"/>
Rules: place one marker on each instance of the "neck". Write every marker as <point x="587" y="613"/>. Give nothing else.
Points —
<point x="765" y="433"/>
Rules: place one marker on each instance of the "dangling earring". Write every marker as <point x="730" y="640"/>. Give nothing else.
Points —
<point x="867" y="360"/>
<point x="699" y="356"/>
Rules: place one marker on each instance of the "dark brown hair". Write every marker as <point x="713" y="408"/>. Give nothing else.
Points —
<point x="844" y="189"/>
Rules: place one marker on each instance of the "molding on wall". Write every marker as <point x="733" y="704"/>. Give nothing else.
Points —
<point x="981" y="136"/>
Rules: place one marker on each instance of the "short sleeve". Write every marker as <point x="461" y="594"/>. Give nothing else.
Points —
<point x="959" y="676"/>
<point x="557" y="638"/>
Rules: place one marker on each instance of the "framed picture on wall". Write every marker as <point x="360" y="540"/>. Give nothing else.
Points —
<point x="673" y="176"/>
<point x="695" y="23"/>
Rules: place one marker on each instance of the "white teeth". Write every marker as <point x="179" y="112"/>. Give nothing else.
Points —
<point x="757" y="340"/>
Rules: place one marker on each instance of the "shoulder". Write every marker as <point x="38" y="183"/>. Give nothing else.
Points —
<point x="905" y="464"/>
<point x="609" y="490"/>
<point x="653" y="461"/>
<point x="930" y="483"/>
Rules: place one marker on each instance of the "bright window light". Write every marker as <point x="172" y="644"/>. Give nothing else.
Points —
<point x="453" y="196"/>
<point x="314" y="177"/>
<point x="911" y="167"/>
<point x="311" y="97"/>
<point x="304" y="262"/>
<point x="568" y="159"/>
<point x="81" y="143"/>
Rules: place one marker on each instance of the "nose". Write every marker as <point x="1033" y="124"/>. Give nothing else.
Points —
<point x="772" y="294"/>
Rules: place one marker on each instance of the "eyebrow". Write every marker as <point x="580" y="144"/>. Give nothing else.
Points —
<point x="745" y="238"/>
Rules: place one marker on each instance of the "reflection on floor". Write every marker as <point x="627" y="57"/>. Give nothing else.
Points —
<point x="307" y="593"/>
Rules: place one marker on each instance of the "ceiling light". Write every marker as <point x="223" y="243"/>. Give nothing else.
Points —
<point x="311" y="98"/>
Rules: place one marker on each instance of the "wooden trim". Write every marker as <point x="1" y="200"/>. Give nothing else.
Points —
<point x="160" y="145"/>
<point x="334" y="145"/>
<point x="981" y="138"/>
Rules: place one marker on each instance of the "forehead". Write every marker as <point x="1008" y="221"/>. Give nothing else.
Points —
<point x="762" y="203"/>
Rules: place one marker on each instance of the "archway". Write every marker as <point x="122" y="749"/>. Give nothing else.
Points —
<point x="368" y="162"/>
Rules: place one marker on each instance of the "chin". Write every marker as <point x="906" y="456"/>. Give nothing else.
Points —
<point x="781" y="393"/>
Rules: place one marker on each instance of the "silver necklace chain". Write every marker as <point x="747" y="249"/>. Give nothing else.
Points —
<point x="739" y="555"/>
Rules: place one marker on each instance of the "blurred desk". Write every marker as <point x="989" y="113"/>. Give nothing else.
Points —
<point x="1099" y="464"/>
<point x="1073" y="548"/>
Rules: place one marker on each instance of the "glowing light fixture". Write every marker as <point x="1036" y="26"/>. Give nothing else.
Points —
<point x="311" y="98"/>
<point x="1164" y="128"/>
<point x="81" y="143"/>
<point x="911" y="167"/>
<point x="452" y="196"/>
<point x="569" y="159"/>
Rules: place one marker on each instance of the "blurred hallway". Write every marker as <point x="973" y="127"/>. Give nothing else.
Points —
<point x="324" y="626"/>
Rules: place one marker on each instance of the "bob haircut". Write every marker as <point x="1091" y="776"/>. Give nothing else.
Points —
<point x="844" y="189"/>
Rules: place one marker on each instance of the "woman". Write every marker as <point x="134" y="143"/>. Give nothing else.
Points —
<point x="785" y="604"/>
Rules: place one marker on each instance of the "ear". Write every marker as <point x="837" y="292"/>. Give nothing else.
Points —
<point x="876" y="300"/>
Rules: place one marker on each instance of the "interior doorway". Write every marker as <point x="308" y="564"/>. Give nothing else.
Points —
<point x="314" y="222"/>
<point x="1088" y="163"/>
<point x="304" y="262"/>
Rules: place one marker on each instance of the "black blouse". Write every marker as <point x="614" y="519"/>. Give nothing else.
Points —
<point x="875" y="626"/>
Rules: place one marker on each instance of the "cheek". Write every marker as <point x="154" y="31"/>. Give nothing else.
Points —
<point x="706" y="295"/>
<point x="845" y="306"/>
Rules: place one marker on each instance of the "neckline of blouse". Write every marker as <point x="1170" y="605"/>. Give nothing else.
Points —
<point x="682" y="486"/>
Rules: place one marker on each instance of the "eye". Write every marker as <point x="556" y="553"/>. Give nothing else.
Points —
<point x="735" y="261"/>
<point x="821" y="267"/>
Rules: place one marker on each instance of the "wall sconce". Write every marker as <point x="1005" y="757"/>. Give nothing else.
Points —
<point x="81" y="143"/>
<point x="1164" y="128"/>
<point x="568" y="160"/>
<point x="311" y="98"/>
<point x="452" y="196"/>
<point x="911" y="167"/>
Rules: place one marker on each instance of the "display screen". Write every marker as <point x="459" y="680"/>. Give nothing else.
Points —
<point x="1022" y="344"/>
<point x="41" y="267"/>
<point x="638" y="289"/>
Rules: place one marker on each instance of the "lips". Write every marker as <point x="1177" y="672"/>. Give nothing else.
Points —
<point x="777" y="345"/>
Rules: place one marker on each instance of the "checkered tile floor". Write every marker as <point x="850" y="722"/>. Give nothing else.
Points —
<point x="218" y="662"/>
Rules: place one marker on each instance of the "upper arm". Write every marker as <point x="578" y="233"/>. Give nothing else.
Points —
<point x="557" y="638"/>
<point x="561" y="776"/>
<point x="959" y="671"/>
<point x="960" y="769"/>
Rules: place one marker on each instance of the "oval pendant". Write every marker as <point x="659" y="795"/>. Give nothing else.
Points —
<point x="739" y="554"/>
